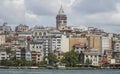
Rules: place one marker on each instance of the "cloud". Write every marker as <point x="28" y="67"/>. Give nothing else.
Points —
<point x="41" y="7"/>
<point x="96" y="13"/>
<point x="95" y="6"/>
<point x="12" y="11"/>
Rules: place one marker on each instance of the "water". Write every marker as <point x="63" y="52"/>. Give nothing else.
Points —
<point x="39" y="71"/>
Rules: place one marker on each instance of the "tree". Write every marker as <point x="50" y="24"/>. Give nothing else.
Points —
<point x="88" y="61"/>
<point x="70" y="59"/>
<point x="3" y="62"/>
<point x="8" y="50"/>
<point x="42" y="63"/>
<point x="52" y="58"/>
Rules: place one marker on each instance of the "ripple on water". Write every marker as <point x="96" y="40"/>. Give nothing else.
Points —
<point x="45" y="71"/>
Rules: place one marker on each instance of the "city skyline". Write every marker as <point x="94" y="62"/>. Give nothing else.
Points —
<point x="101" y="14"/>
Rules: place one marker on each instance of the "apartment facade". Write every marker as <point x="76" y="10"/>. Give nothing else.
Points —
<point x="106" y="44"/>
<point x="22" y="28"/>
<point x="93" y="58"/>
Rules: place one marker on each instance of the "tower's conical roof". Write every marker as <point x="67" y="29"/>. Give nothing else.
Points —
<point x="61" y="11"/>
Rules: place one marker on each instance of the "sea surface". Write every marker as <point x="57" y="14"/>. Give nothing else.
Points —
<point x="46" y="71"/>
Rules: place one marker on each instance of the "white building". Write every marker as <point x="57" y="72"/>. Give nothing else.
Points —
<point x="56" y="43"/>
<point x="36" y="46"/>
<point x="42" y="34"/>
<point x="5" y="27"/>
<point x="18" y="53"/>
<point x="112" y="61"/>
<point x="106" y="44"/>
<point x="28" y="56"/>
<point x="37" y="50"/>
<point x="117" y="45"/>
<point x="79" y="28"/>
<point x="22" y="28"/>
<point x="64" y="43"/>
<point x="39" y="33"/>
<point x="3" y="55"/>
<point x="93" y="57"/>
<point x="79" y="47"/>
<point x="39" y="57"/>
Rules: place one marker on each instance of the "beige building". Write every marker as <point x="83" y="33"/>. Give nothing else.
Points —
<point x="76" y="40"/>
<point x="94" y="42"/>
<point x="2" y="39"/>
<point x="100" y="43"/>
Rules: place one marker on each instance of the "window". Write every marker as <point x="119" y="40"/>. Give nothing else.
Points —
<point x="35" y="33"/>
<point x="39" y="46"/>
<point x="67" y="36"/>
<point x="40" y="33"/>
<point x="36" y="46"/>
<point x="117" y="44"/>
<point x="59" y="42"/>
<point x="117" y="47"/>
<point x="58" y="45"/>
<point x="38" y="55"/>
<point x="44" y="33"/>
<point x="37" y="36"/>
<point x="54" y="40"/>
<point x="33" y="46"/>
<point x="91" y="55"/>
<point x="65" y="22"/>
<point x="59" y="22"/>
<point x="2" y="54"/>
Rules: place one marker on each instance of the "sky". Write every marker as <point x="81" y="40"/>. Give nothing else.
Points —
<point x="103" y="14"/>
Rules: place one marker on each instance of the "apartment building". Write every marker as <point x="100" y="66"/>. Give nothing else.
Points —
<point x="21" y="28"/>
<point x="93" y="58"/>
<point x="106" y="44"/>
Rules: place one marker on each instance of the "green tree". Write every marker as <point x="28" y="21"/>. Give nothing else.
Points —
<point x="52" y="58"/>
<point x="3" y="62"/>
<point x="42" y="63"/>
<point x="28" y="63"/>
<point x="88" y="61"/>
<point x="70" y="59"/>
<point x="8" y="50"/>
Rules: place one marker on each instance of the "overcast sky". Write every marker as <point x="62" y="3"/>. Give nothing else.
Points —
<point x="104" y="14"/>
